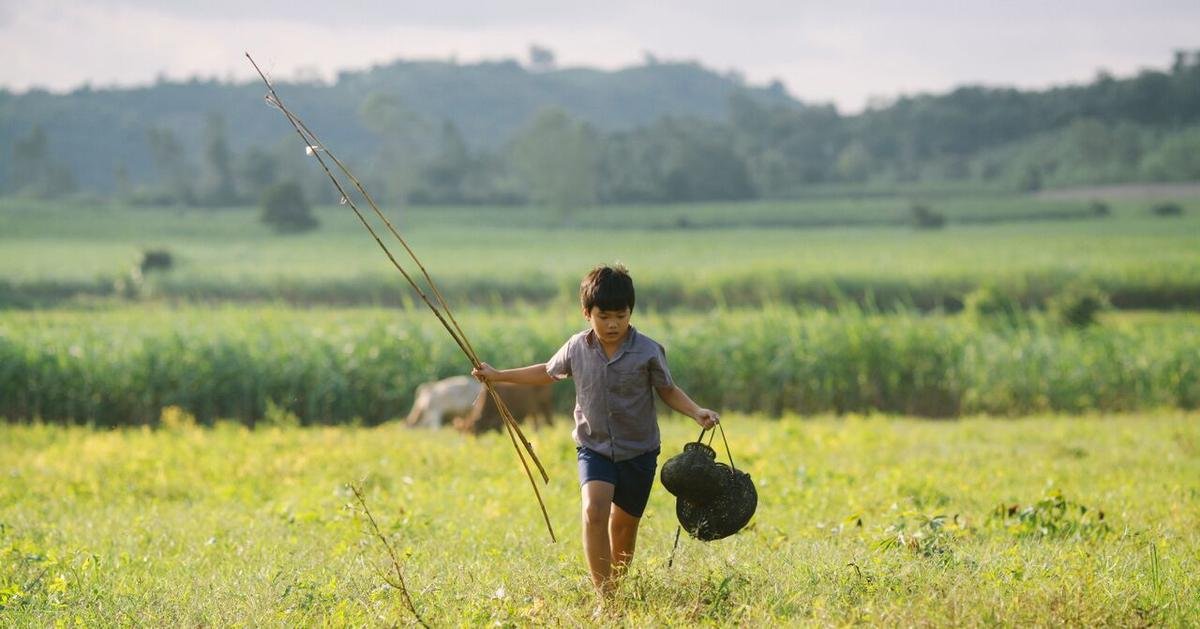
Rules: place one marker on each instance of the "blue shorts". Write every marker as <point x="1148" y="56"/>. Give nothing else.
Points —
<point x="631" y="480"/>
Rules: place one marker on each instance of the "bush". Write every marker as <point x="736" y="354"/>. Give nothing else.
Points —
<point x="1167" y="209"/>
<point x="1099" y="208"/>
<point x="989" y="305"/>
<point x="1078" y="306"/>
<point x="925" y="218"/>
<point x="285" y="209"/>
<point x="156" y="260"/>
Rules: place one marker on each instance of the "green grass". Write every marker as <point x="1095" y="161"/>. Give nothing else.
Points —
<point x="235" y="527"/>
<point x="486" y="255"/>
<point x="112" y="367"/>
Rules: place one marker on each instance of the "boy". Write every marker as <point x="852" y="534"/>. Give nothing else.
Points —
<point x="616" y="430"/>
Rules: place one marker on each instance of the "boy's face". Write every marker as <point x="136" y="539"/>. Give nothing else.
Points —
<point x="610" y="326"/>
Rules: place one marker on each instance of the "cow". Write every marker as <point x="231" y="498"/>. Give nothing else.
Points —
<point x="534" y="402"/>
<point x="440" y="401"/>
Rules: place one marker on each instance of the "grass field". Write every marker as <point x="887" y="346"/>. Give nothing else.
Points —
<point x="487" y="254"/>
<point x="1047" y="521"/>
<point x="1011" y="515"/>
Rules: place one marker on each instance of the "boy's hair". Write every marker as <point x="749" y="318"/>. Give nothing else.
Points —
<point x="607" y="288"/>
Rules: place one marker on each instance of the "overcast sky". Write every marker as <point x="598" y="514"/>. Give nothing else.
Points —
<point x="841" y="52"/>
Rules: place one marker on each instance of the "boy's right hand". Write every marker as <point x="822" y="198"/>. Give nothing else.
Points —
<point x="484" y="372"/>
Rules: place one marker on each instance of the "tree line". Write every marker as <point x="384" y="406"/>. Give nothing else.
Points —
<point x="1145" y="127"/>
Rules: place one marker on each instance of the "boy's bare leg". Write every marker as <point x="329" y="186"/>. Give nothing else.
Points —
<point x="597" y="504"/>
<point x="622" y="532"/>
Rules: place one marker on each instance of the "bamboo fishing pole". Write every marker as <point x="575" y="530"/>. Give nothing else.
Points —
<point x="456" y="332"/>
<point x="315" y="148"/>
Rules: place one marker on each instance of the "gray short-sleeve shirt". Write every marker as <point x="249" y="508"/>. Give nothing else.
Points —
<point x="614" y="397"/>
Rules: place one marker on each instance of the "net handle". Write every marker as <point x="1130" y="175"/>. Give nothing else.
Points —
<point x="728" y="452"/>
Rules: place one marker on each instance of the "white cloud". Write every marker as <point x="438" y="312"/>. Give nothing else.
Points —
<point x="825" y="52"/>
<point x="455" y="14"/>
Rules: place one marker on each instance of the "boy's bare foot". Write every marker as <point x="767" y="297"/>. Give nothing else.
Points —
<point x="604" y="600"/>
<point x="604" y="610"/>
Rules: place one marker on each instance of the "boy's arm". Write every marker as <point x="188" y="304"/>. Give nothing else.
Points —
<point x="678" y="400"/>
<point x="533" y="374"/>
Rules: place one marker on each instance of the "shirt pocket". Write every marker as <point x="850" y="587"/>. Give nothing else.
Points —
<point x="630" y="380"/>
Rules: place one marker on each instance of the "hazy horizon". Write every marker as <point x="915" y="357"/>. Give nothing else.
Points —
<point x="847" y="55"/>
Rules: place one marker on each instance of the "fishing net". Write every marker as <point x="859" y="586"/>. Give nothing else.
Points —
<point x="712" y="500"/>
<point x="725" y="514"/>
<point x="693" y="474"/>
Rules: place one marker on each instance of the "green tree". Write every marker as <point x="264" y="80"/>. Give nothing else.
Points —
<point x="407" y="142"/>
<point x="1092" y="141"/>
<point x="173" y="169"/>
<point x="121" y="184"/>
<point x="443" y="178"/>
<point x="854" y="162"/>
<point x="220" y="189"/>
<point x="259" y="169"/>
<point x="785" y="147"/>
<point x="559" y="158"/>
<point x="631" y="168"/>
<point x="286" y="210"/>
<point x="31" y="154"/>
<point x="1031" y="179"/>
<point x="34" y="171"/>
<point x="541" y="59"/>
<point x="1177" y="158"/>
<point x="701" y="163"/>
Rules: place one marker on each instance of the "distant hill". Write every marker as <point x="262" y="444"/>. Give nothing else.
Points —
<point x="438" y="132"/>
<point x="93" y="132"/>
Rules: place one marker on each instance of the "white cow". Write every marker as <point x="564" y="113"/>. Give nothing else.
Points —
<point x="437" y="402"/>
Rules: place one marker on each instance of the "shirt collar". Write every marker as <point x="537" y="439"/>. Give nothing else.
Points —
<point x="626" y="345"/>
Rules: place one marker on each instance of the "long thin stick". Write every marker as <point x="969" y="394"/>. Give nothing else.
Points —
<point x="455" y="331"/>
<point x="459" y="336"/>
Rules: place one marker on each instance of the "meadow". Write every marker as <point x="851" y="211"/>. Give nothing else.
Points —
<point x="1048" y="520"/>
<point x="686" y="256"/>
<point x="176" y="444"/>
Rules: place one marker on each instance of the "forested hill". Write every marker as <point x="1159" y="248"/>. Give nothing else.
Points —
<point x="93" y="133"/>
<point x="500" y="132"/>
<point x="490" y="101"/>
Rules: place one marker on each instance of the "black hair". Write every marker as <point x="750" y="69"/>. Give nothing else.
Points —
<point x="607" y="288"/>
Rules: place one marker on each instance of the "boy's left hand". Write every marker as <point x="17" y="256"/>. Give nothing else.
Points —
<point x="707" y="418"/>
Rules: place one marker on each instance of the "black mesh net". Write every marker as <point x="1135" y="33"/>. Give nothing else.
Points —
<point x="723" y="515"/>
<point x="693" y="474"/>
<point x="713" y="500"/>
